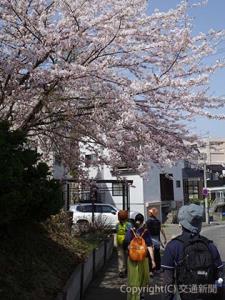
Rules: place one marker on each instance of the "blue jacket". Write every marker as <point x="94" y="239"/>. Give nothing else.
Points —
<point x="173" y="254"/>
<point x="147" y="237"/>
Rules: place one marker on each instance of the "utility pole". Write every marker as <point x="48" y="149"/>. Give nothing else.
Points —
<point x="124" y="194"/>
<point x="206" y="196"/>
<point x="93" y="197"/>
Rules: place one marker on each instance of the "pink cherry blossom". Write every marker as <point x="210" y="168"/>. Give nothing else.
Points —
<point x="105" y="76"/>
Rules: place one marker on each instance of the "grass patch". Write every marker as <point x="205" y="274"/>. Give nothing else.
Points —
<point x="36" y="261"/>
<point x="93" y="239"/>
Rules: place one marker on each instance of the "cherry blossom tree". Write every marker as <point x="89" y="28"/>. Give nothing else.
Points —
<point x="105" y="76"/>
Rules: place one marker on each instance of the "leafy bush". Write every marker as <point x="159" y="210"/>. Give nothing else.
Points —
<point x="60" y="223"/>
<point x="197" y="201"/>
<point x="99" y="225"/>
<point x="26" y="191"/>
<point x="94" y="233"/>
<point x="36" y="263"/>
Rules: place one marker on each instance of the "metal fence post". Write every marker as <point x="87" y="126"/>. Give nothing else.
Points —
<point x="81" y="281"/>
<point x="105" y="251"/>
<point x="93" y="267"/>
<point x="123" y="194"/>
<point x="67" y="196"/>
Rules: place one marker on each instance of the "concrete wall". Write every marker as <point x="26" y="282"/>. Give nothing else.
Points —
<point x="177" y="175"/>
<point x="87" y="272"/>
<point x="151" y="185"/>
<point x="99" y="257"/>
<point x="84" y="273"/>
<point x="136" y="194"/>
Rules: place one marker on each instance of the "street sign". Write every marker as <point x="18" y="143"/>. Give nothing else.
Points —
<point x="205" y="192"/>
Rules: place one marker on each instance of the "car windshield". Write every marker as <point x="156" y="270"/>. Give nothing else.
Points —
<point x="97" y="208"/>
<point x="84" y="208"/>
<point x="107" y="209"/>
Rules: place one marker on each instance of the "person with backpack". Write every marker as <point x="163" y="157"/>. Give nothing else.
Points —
<point x="139" y="242"/>
<point x="121" y="228"/>
<point x="191" y="261"/>
<point x="154" y="227"/>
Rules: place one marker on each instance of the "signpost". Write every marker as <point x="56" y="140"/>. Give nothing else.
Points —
<point x="205" y="192"/>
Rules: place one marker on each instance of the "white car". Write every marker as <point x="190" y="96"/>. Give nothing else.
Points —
<point x="106" y="213"/>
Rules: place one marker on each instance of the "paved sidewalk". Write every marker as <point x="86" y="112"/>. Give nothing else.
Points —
<point x="107" y="284"/>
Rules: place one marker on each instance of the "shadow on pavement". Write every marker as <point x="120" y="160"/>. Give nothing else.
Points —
<point x="107" y="284"/>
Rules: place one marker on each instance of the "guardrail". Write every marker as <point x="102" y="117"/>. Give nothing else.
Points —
<point x="86" y="271"/>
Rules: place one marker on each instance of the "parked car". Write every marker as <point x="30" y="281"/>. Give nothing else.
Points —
<point x="106" y="213"/>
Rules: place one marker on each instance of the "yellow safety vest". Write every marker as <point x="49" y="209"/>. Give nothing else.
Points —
<point x="121" y="232"/>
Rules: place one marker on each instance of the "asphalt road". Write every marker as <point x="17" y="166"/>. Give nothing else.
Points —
<point x="217" y="235"/>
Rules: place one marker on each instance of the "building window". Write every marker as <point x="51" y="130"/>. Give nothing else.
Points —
<point x="215" y="176"/>
<point x="90" y="159"/>
<point x="193" y="190"/>
<point x="117" y="189"/>
<point x="178" y="183"/>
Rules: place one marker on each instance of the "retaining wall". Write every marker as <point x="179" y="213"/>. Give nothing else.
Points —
<point x="85" y="272"/>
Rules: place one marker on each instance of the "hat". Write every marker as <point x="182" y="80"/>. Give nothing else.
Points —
<point x="191" y="217"/>
<point x="154" y="211"/>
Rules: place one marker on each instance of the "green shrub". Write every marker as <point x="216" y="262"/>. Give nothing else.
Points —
<point x="26" y="191"/>
<point x="36" y="263"/>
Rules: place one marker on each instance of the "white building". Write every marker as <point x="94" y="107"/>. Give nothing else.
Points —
<point x="162" y="188"/>
<point x="213" y="151"/>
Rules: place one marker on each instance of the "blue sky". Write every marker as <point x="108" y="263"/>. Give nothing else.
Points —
<point x="211" y="16"/>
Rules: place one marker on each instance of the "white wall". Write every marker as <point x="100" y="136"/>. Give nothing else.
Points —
<point x="59" y="172"/>
<point x="177" y="175"/>
<point x="143" y="192"/>
<point x="151" y="186"/>
<point x="136" y="194"/>
<point x="152" y="182"/>
<point x="136" y="191"/>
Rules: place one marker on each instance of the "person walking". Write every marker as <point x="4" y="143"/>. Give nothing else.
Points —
<point x="139" y="242"/>
<point x="121" y="228"/>
<point x="191" y="261"/>
<point x="154" y="227"/>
